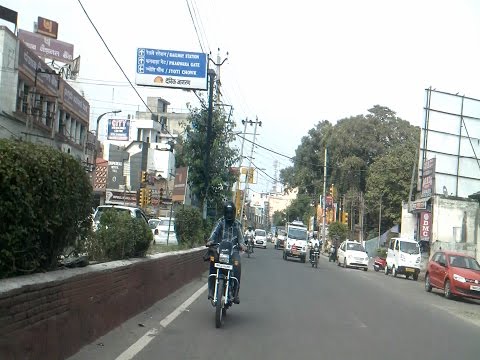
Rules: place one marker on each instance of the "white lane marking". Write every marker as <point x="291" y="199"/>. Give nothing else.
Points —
<point x="141" y="343"/>
<point x="164" y="323"/>
<point x="138" y="345"/>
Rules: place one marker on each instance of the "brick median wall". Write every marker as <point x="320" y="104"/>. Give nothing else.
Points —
<point x="53" y="319"/>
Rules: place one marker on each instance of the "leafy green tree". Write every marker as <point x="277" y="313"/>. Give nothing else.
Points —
<point x="337" y="231"/>
<point x="278" y="218"/>
<point x="354" y="145"/>
<point x="300" y="209"/>
<point x="222" y="155"/>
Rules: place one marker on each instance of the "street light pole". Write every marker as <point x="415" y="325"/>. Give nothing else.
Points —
<point x="96" y="140"/>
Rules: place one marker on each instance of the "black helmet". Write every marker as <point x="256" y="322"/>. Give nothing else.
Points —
<point x="229" y="211"/>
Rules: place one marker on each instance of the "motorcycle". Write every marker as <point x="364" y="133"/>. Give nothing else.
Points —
<point x="333" y="254"/>
<point x="249" y="245"/>
<point x="226" y="285"/>
<point x="314" y="256"/>
<point x="379" y="263"/>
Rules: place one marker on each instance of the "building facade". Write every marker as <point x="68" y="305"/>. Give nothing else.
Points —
<point x="37" y="105"/>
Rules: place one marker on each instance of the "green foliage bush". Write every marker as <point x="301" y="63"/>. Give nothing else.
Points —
<point x="118" y="236"/>
<point x="45" y="206"/>
<point x="338" y="231"/>
<point x="190" y="227"/>
<point x="382" y="252"/>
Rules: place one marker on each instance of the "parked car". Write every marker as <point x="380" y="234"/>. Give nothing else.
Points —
<point x="163" y="230"/>
<point x="352" y="254"/>
<point x="260" y="238"/>
<point x="403" y="257"/>
<point x="454" y="273"/>
<point x="134" y="213"/>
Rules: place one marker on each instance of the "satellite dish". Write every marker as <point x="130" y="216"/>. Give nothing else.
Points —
<point x="445" y="191"/>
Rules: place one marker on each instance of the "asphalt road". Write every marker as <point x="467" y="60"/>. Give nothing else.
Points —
<point x="290" y="310"/>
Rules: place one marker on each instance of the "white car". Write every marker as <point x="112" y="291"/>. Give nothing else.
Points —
<point x="162" y="233"/>
<point x="133" y="211"/>
<point x="352" y="254"/>
<point x="260" y="238"/>
<point x="403" y="257"/>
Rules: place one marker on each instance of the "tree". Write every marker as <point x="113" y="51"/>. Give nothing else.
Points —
<point x="222" y="156"/>
<point x="300" y="209"/>
<point x="278" y="218"/>
<point x="337" y="232"/>
<point x="354" y="145"/>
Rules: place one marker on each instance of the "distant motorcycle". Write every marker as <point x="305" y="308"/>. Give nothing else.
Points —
<point x="314" y="256"/>
<point x="226" y="285"/>
<point x="249" y="245"/>
<point x="379" y="263"/>
<point x="333" y="254"/>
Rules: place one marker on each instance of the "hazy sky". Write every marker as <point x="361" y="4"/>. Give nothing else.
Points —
<point x="291" y="63"/>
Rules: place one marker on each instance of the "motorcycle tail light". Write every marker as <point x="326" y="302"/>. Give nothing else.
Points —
<point x="212" y="258"/>
<point x="236" y="262"/>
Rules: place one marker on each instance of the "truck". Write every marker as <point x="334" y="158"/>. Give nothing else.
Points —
<point x="296" y="242"/>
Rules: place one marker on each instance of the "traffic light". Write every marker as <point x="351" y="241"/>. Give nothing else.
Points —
<point x="250" y="175"/>
<point x="144" y="177"/>
<point x="149" y="196"/>
<point x="345" y="217"/>
<point x="331" y="190"/>
<point x="161" y="194"/>
<point x="142" y="199"/>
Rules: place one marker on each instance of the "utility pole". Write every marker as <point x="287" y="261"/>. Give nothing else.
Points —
<point x="237" y="190"/>
<point x="249" y="166"/>
<point x="380" y="220"/>
<point x="211" y="76"/>
<point x="324" y="199"/>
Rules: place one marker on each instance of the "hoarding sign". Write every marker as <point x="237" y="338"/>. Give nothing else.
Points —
<point x="113" y="196"/>
<point x="9" y="15"/>
<point x="425" y="225"/>
<point x="75" y="101"/>
<point x="47" y="27"/>
<point x="47" y="47"/>
<point x="418" y="205"/>
<point x="180" y="184"/>
<point x="30" y="64"/>
<point x="118" y="129"/>
<point x="427" y="186"/>
<point x="171" y="69"/>
<point x="429" y="167"/>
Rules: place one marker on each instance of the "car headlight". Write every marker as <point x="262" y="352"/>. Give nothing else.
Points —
<point x="459" y="278"/>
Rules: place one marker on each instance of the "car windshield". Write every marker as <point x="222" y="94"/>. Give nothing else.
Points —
<point x="153" y="223"/>
<point x="355" y="247"/>
<point x="464" y="262"/>
<point x="260" y="232"/>
<point x="101" y="211"/>
<point x="297" y="234"/>
<point x="409" y="247"/>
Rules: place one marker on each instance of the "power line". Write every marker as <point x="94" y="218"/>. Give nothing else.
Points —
<point x="265" y="148"/>
<point x="118" y="64"/>
<point x="194" y="25"/>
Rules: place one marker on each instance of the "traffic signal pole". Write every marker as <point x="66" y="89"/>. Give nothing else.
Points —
<point x="324" y="197"/>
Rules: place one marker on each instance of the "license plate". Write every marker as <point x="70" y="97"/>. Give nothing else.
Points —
<point x="475" y="287"/>
<point x="409" y="270"/>
<point x="223" y="266"/>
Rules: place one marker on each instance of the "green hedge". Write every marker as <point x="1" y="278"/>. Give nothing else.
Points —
<point x="118" y="236"/>
<point x="190" y="227"/>
<point x="45" y="206"/>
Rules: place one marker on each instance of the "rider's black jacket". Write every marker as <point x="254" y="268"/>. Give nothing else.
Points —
<point x="230" y="232"/>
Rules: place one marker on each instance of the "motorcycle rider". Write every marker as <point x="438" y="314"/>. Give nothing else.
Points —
<point x="314" y="243"/>
<point x="250" y="235"/>
<point x="227" y="225"/>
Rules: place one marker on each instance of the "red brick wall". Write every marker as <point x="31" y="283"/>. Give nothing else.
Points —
<point x="53" y="320"/>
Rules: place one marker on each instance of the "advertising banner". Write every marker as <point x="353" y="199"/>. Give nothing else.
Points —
<point x="128" y="198"/>
<point x="425" y="225"/>
<point x="180" y="184"/>
<point x="75" y="101"/>
<point x="171" y="69"/>
<point x="118" y="129"/>
<point x="46" y="47"/>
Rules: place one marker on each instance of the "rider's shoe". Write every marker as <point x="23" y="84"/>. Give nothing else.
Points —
<point x="236" y="299"/>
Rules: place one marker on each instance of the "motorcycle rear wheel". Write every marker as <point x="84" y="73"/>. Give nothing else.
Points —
<point x="219" y="306"/>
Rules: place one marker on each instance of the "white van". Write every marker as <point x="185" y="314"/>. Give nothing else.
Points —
<point x="296" y="241"/>
<point x="403" y="257"/>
